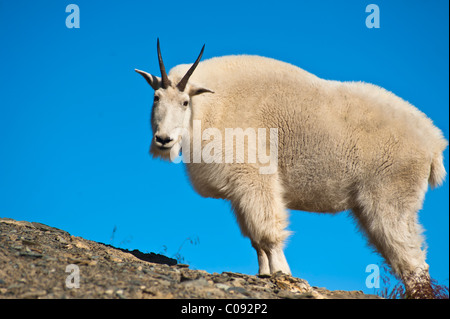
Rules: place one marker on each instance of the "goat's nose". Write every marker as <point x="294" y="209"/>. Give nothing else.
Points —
<point x="163" y="139"/>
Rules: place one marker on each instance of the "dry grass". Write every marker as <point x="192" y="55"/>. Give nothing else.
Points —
<point x="421" y="287"/>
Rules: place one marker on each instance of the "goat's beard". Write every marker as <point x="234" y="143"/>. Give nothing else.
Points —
<point x="167" y="154"/>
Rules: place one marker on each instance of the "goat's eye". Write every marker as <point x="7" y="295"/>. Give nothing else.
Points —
<point x="156" y="98"/>
<point x="185" y="103"/>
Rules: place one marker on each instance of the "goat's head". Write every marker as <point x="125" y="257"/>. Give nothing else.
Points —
<point x="171" y="112"/>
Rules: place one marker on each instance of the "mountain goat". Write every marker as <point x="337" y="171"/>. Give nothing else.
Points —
<point x="337" y="146"/>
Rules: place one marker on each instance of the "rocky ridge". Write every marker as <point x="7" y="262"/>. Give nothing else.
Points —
<point x="39" y="261"/>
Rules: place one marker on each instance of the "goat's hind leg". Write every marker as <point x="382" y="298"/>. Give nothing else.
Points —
<point x="397" y="237"/>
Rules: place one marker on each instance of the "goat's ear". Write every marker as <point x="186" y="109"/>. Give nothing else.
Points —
<point x="196" y="90"/>
<point x="154" y="81"/>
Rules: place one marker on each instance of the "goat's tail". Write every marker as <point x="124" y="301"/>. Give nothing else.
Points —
<point x="437" y="172"/>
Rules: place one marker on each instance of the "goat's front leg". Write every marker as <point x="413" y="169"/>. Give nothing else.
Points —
<point x="263" y="260"/>
<point x="263" y="218"/>
<point x="277" y="260"/>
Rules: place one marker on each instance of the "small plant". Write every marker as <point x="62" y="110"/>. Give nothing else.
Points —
<point x="178" y="256"/>
<point x="125" y="241"/>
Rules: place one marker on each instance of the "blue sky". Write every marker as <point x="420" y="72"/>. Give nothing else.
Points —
<point x="75" y="133"/>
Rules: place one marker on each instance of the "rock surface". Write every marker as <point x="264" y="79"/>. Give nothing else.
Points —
<point x="34" y="260"/>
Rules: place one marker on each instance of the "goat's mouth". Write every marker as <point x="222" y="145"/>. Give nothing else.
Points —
<point x="164" y="148"/>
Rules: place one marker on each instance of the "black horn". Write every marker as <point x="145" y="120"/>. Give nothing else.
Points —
<point x="164" y="78"/>
<point x="182" y="84"/>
